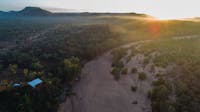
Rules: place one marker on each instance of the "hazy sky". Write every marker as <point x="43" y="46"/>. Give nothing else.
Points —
<point x="157" y="8"/>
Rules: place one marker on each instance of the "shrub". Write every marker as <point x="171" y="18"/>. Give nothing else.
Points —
<point x="133" y="88"/>
<point x="161" y="81"/>
<point x="160" y="93"/>
<point x="124" y="71"/>
<point x="118" y="64"/>
<point x="149" y="94"/>
<point x="32" y="74"/>
<point x="134" y="102"/>
<point x="119" y="53"/>
<point x="146" y="61"/>
<point x="128" y="58"/>
<point x="134" y="51"/>
<point x="142" y="76"/>
<point x="13" y="68"/>
<point x="134" y="70"/>
<point x="152" y="68"/>
<point x="160" y="96"/>
<point x="1" y="67"/>
<point x="36" y="66"/>
<point x="26" y="71"/>
<point x="116" y="73"/>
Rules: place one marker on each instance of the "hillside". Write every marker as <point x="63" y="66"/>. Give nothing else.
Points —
<point x="33" y="11"/>
<point x="27" y="11"/>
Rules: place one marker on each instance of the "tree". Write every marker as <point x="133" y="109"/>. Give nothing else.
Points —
<point x="71" y="68"/>
<point x="26" y="104"/>
<point x="36" y="65"/>
<point x="1" y="67"/>
<point x="13" y="68"/>
<point x="25" y="71"/>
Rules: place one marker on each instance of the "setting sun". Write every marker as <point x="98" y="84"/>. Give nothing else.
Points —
<point x="162" y="9"/>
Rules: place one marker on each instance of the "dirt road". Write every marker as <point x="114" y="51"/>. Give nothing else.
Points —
<point x="36" y="37"/>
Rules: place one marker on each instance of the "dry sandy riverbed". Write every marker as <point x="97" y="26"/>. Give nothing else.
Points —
<point x="99" y="92"/>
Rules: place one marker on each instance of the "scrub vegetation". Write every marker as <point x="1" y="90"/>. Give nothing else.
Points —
<point x="185" y="56"/>
<point x="177" y="55"/>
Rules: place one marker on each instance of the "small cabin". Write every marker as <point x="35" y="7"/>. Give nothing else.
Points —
<point x="35" y="82"/>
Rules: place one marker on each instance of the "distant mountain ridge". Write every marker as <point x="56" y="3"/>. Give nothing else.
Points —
<point x="36" y="11"/>
<point x="33" y="11"/>
<point x="27" y="11"/>
<point x="2" y="12"/>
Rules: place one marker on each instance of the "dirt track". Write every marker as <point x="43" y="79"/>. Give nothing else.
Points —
<point x="99" y="92"/>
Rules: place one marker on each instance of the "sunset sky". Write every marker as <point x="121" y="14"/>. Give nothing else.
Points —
<point x="163" y="9"/>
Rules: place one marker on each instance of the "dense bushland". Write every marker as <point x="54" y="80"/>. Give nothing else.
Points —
<point x="57" y="60"/>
